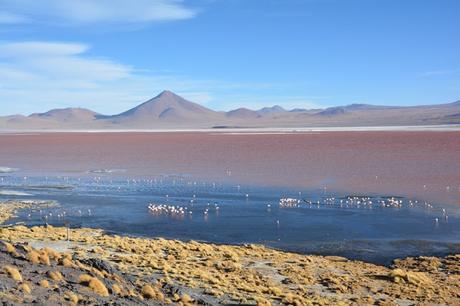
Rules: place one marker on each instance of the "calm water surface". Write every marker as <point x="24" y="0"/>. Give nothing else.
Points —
<point x="324" y="222"/>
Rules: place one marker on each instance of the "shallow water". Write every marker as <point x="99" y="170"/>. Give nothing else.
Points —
<point x="324" y="222"/>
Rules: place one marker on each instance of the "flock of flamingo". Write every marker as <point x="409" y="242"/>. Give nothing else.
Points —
<point x="356" y="202"/>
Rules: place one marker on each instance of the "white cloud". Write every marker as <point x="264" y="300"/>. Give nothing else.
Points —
<point x="59" y="61"/>
<point x="37" y="75"/>
<point x="38" y="48"/>
<point x="94" y="11"/>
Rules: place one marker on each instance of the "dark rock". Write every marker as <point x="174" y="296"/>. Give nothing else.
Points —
<point x="286" y="281"/>
<point x="171" y="289"/>
<point x="98" y="264"/>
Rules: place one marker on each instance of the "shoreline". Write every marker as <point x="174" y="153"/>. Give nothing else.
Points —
<point x="249" y="130"/>
<point x="212" y="273"/>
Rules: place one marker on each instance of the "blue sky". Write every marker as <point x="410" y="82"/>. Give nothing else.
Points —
<point x="110" y="55"/>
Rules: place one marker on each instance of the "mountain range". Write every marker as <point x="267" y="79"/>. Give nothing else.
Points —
<point x="170" y="111"/>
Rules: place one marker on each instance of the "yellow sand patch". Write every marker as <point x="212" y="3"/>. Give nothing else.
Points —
<point x="13" y="273"/>
<point x="72" y="297"/>
<point x="415" y="278"/>
<point x="25" y="288"/>
<point x="116" y="289"/>
<point x="44" y="283"/>
<point x="94" y="284"/>
<point x="55" y="275"/>
<point x="150" y="292"/>
<point x="66" y="262"/>
<point x="9" y="248"/>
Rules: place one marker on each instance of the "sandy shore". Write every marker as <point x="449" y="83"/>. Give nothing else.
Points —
<point x="39" y="265"/>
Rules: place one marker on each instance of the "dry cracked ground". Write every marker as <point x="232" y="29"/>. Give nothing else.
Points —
<point x="39" y="265"/>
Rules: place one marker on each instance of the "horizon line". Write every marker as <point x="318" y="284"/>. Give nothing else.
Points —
<point x="235" y="109"/>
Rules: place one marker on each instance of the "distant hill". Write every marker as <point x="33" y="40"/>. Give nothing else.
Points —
<point x="169" y="110"/>
<point x="166" y="109"/>
<point x="167" y="105"/>
<point x="276" y="109"/>
<point x="332" y="111"/>
<point x="242" y="113"/>
<point x="67" y="114"/>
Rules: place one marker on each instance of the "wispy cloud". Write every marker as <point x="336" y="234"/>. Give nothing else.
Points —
<point x="40" y="49"/>
<point x="36" y="76"/>
<point x="93" y="11"/>
<point x="58" y="61"/>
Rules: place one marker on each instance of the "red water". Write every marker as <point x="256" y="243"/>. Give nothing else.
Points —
<point x="423" y="164"/>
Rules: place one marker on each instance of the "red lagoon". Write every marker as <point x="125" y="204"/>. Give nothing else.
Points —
<point x="422" y="164"/>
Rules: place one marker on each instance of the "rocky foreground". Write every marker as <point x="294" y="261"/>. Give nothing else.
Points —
<point x="39" y="265"/>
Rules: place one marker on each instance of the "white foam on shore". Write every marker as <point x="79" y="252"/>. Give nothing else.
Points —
<point x="7" y="170"/>
<point x="106" y="171"/>
<point x="14" y="193"/>
<point x="315" y="130"/>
